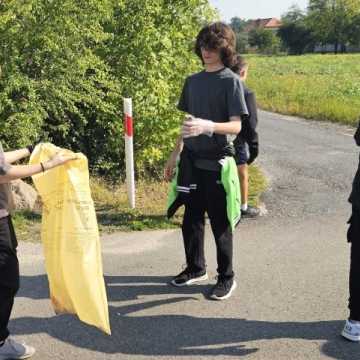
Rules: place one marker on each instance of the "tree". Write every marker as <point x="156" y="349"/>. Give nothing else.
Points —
<point x="241" y="42"/>
<point x="331" y="21"/>
<point x="354" y="31"/>
<point x="238" y="24"/>
<point x="294" y="33"/>
<point x="265" y="40"/>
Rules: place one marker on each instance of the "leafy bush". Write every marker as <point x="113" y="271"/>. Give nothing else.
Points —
<point x="67" y="65"/>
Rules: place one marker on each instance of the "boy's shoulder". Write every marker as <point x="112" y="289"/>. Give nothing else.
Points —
<point x="229" y="76"/>
<point x="231" y="80"/>
<point x="225" y="74"/>
<point x="195" y="76"/>
<point x="248" y="91"/>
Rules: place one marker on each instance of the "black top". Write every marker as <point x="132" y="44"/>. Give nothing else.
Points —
<point x="214" y="96"/>
<point x="248" y="131"/>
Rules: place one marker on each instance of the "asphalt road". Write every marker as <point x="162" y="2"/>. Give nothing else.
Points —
<point x="291" y="267"/>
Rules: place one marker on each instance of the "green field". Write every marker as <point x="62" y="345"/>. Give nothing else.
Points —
<point x="323" y="87"/>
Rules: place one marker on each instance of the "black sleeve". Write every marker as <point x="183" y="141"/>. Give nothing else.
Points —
<point x="236" y="99"/>
<point x="357" y="135"/>
<point x="251" y="135"/>
<point x="183" y="104"/>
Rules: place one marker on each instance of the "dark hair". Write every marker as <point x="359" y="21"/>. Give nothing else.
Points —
<point x="239" y="63"/>
<point x="217" y="36"/>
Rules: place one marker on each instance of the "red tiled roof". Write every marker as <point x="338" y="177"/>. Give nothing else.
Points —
<point x="273" y="23"/>
<point x="269" y="23"/>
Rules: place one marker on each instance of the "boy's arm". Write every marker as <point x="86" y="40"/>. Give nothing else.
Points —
<point x="251" y="136"/>
<point x="232" y="127"/>
<point x="195" y="127"/>
<point x="357" y="135"/>
<point x="171" y="163"/>
<point x="253" y="115"/>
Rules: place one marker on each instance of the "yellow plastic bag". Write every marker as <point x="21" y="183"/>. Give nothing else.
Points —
<point x="70" y="238"/>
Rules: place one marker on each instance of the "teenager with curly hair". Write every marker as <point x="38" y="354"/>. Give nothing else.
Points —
<point x="213" y="103"/>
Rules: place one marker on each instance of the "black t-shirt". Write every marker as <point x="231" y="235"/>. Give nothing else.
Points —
<point x="214" y="96"/>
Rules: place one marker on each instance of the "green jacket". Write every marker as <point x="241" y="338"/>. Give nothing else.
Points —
<point x="230" y="181"/>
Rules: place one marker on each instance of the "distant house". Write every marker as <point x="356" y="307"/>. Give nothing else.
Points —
<point x="272" y="24"/>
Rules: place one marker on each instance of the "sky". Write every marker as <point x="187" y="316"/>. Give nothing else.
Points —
<point x="254" y="9"/>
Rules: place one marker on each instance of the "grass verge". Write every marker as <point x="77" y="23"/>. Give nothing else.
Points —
<point x="321" y="87"/>
<point x="114" y="214"/>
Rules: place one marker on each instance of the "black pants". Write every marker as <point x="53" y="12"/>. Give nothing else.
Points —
<point x="209" y="197"/>
<point x="354" y="238"/>
<point x="9" y="273"/>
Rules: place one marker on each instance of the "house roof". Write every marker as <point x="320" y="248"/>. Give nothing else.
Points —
<point x="269" y="23"/>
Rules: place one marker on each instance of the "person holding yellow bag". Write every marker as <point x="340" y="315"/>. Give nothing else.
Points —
<point x="9" y="265"/>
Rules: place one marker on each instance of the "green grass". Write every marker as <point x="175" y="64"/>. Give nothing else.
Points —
<point x="114" y="214"/>
<point x="322" y="87"/>
<point x="257" y="185"/>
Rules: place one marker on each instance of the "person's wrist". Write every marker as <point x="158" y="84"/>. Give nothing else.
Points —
<point x="209" y="127"/>
<point x="48" y="165"/>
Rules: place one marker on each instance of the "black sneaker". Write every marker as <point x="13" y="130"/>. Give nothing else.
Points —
<point x="223" y="289"/>
<point x="251" y="212"/>
<point x="188" y="278"/>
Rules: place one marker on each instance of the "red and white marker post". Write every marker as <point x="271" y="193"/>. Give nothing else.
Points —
<point x="129" y="151"/>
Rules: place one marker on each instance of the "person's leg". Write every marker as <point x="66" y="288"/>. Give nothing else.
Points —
<point x="193" y="231"/>
<point x="244" y="183"/>
<point x="193" y="235"/>
<point x="354" y="300"/>
<point x="216" y="208"/>
<point x="351" y="329"/>
<point x="241" y="158"/>
<point x="354" y="278"/>
<point x="9" y="275"/>
<point x="6" y="304"/>
<point x="9" y="285"/>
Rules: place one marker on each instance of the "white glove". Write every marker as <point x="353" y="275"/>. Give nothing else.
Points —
<point x="195" y="127"/>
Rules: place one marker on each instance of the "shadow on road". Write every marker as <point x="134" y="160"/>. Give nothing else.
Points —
<point x="171" y="335"/>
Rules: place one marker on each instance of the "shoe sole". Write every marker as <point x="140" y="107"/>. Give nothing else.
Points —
<point x="214" y="297"/>
<point x="249" y="216"/>
<point x="27" y="356"/>
<point x="191" y="281"/>
<point x="350" y="337"/>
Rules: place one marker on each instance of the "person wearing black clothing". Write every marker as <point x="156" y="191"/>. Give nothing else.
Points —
<point x="213" y="100"/>
<point x="247" y="142"/>
<point x="352" y="326"/>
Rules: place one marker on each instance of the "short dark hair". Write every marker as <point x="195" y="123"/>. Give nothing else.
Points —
<point x="217" y="36"/>
<point x="240" y="63"/>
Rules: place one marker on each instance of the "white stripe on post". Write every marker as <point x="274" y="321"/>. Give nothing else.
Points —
<point x="129" y="151"/>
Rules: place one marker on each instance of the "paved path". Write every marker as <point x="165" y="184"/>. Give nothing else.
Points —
<point x="291" y="267"/>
